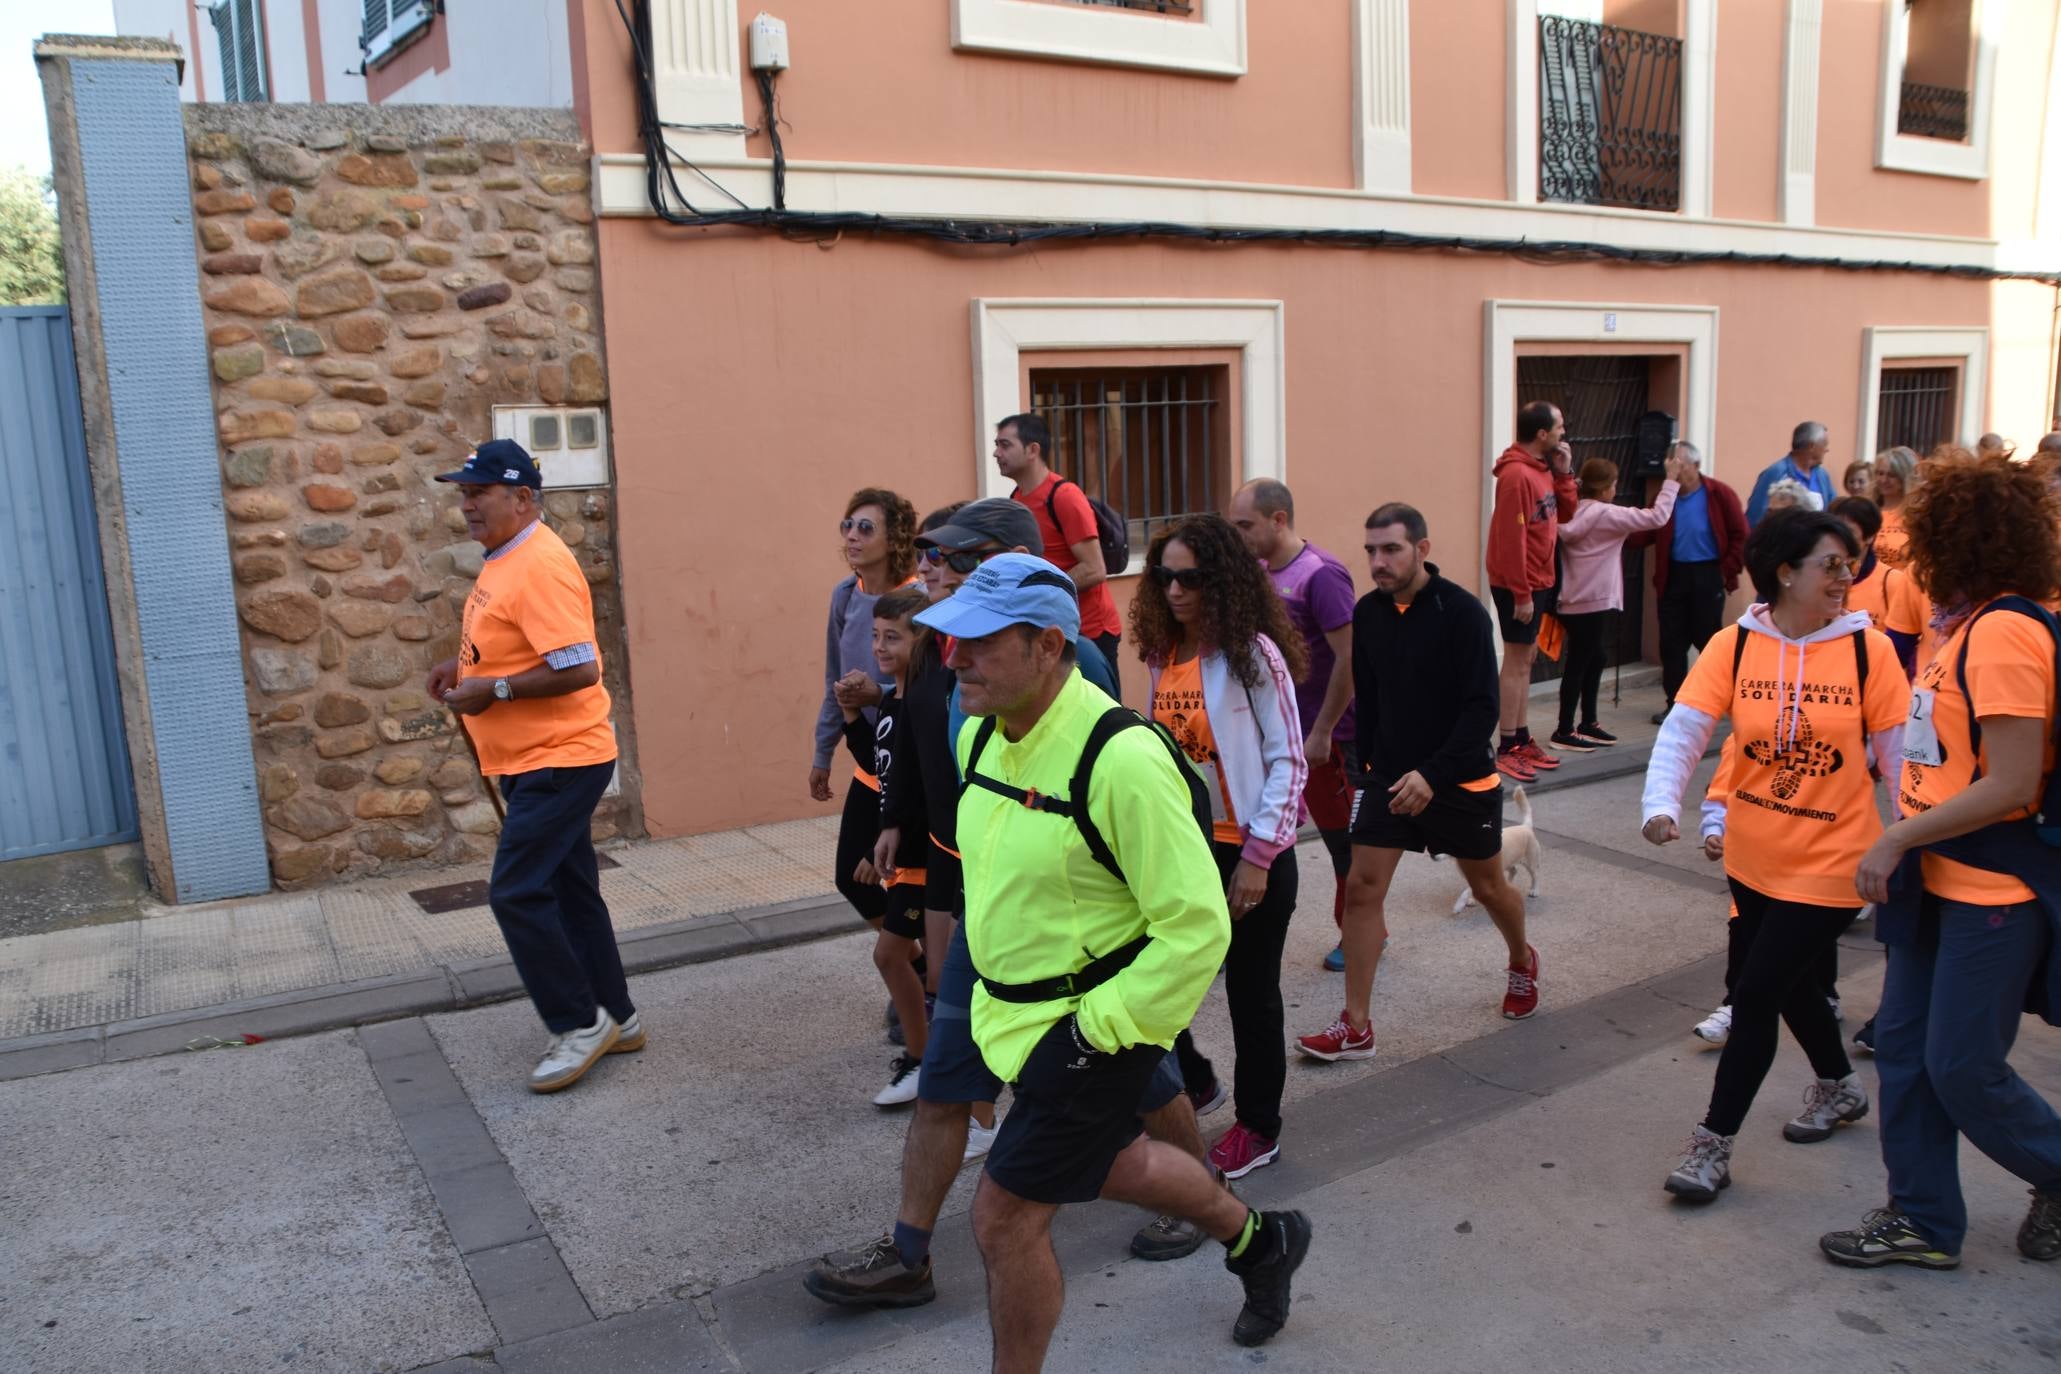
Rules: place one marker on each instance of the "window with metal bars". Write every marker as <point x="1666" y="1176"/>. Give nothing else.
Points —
<point x="1151" y="441"/>
<point x="239" y="28"/>
<point x="1916" y="407"/>
<point x="1181" y="7"/>
<point x="1610" y="115"/>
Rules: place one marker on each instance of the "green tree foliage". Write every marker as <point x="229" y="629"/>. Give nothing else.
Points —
<point x="31" y="267"/>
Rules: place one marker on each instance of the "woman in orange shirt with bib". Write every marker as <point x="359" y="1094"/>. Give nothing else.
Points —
<point x="1968" y="884"/>
<point x="1811" y="690"/>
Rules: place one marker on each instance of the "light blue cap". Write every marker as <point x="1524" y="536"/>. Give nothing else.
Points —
<point x="1008" y="589"/>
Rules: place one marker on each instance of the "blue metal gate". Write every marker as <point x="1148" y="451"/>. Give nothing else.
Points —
<point x="64" y="770"/>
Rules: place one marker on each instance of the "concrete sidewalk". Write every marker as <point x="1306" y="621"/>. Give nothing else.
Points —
<point x="291" y="963"/>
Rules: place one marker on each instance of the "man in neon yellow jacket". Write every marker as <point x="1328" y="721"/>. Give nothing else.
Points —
<point x="1088" y="966"/>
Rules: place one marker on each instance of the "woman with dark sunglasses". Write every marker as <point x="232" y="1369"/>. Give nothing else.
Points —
<point x="879" y="530"/>
<point x="1223" y="659"/>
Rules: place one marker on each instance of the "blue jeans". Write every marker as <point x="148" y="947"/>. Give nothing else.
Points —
<point x="546" y="896"/>
<point x="1950" y="1012"/>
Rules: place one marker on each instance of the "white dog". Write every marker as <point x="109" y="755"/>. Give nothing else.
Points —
<point x="1520" y="850"/>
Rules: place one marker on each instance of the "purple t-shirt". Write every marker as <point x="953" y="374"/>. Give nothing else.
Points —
<point x="1319" y="594"/>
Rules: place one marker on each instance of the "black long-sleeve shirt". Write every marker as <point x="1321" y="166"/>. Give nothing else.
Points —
<point x="919" y="792"/>
<point x="1425" y="687"/>
<point x="880" y="747"/>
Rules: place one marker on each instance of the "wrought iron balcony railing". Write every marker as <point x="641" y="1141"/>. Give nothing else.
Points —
<point x="1610" y="115"/>
<point x="1933" y="112"/>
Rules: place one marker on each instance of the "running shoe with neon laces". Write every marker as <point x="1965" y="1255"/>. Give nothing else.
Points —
<point x="1537" y="755"/>
<point x="902" y="1082"/>
<point x="1716" y="1028"/>
<point x="1270" y="1260"/>
<point x="1568" y="742"/>
<point x="1206" y="1102"/>
<point x="1885" y="1236"/>
<point x="1339" y="1041"/>
<point x="1828" y="1103"/>
<point x="2039" y="1235"/>
<point x="1241" y="1151"/>
<point x="1595" y="734"/>
<point x="1511" y="765"/>
<point x="1706" y="1167"/>
<point x="872" y="1276"/>
<point x="1522" y="997"/>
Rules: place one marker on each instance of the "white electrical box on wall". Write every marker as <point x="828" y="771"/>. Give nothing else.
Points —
<point x="570" y="443"/>
<point x="768" y="44"/>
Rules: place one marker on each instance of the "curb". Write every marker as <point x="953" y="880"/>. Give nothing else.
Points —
<point x="447" y="987"/>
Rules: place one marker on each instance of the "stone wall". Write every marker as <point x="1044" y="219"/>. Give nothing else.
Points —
<point x="374" y="281"/>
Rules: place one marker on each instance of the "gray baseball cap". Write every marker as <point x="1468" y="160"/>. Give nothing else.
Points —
<point x="994" y="519"/>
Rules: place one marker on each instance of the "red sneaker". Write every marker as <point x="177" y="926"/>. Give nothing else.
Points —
<point x="1536" y="754"/>
<point x="1523" y="997"/>
<point x="1512" y="765"/>
<point x="1242" y="1150"/>
<point x="1339" y="1041"/>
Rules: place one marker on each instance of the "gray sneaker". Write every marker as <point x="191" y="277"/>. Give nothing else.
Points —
<point x="1706" y="1170"/>
<point x="1827" y="1103"/>
<point x="1167" y="1238"/>
<point x="871" y="1276"/>
<point x="2039" y="1237"/>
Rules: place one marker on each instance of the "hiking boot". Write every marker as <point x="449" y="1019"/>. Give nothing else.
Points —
<point x="2039" y="1237"/>
<point x="1568" y="742"/>
<point x="1535" y="754"/>
<point x="1270" y="1260"/>
<point x="901" y="1083"/>
<point x="871" y="1277"/>
<point x="1339" y="1041"/>
<point x="1241" y="1151"/>
<point x="1511" y="765"/>
<point x="1864" y="1038"/>
<point x="569" y="1056"/>
<point x="1521" y="998"/>
<point x="1716" y="1028"/>
<point x="1827" y="1103"/>
<point x="632" y="1038"/>
<point x="1706" y="1169"/>
<point x="1334" y="962"/>
<point x="1595" y="734"/>
<point x="1167" y="1238"/>
<point x="1207" y="1101"/>
<point x="1885" y="1236"/>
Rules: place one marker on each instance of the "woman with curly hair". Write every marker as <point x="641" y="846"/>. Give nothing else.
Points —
<point x="1223" y="659"/>
<point x="1968" y="883"/>
<point x="879" y="530"/>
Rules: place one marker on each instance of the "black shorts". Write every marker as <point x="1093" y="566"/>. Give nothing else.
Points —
<point x="944" y="884"/>
<point x="1074" y="1113"/>
<point x="904" y="914"/>
<point x="1463" y="824"/>
<point x="1542" y="604"/>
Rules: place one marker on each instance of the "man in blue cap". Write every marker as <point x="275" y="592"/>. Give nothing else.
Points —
<point x="1096" y="922"/>
<point x="526" y="685"/>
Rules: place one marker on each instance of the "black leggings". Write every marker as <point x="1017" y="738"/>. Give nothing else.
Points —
<point x="856" y="835"/>
<point x="1778" y="981"/>
<point x="1252" y="986"/>
<point x="1737" y="941"/>
<point x="1581" y="676"/>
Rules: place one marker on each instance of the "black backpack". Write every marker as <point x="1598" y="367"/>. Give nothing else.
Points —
<point x="1112" y="531"/>
<point x="1074" y="806"/>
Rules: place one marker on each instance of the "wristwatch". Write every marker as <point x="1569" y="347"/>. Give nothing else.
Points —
<point x="502" y="691"/>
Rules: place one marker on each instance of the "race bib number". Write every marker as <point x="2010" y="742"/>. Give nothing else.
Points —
<point x="1921" y="736"/>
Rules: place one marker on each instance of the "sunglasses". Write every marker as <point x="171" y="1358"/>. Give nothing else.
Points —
<point x="864" y="527"/>
<point x="1193" y="579"/>
<point x="959" y="561"/>
<point x="1834" y="565"/>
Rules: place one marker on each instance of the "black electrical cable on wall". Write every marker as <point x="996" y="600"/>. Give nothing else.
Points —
<point x="670" y="203"/>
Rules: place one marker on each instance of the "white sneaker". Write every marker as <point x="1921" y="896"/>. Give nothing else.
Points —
<point x="570" y="1055"/>
<point x="1838" y="1016"/>
<point x="979" y="1139"/>
<point x="901" y="1085"/>
<point x="1716" y="1028"/>
<point x="632" y="1038"/>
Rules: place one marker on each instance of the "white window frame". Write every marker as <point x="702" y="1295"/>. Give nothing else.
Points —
<point x="222" y="13"/>
<point x="1005" y="329"/>
<point x="1212" y="44"/>
<point x="1699" y="106"/>
<point x="399" y="32"/>
<point x="1935" y="156"/>
<point x="1888" y="343"/>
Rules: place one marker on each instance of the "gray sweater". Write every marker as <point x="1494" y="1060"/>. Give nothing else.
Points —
<point x="848" y="645"/>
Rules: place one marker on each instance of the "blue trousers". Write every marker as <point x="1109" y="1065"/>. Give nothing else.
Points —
<point x="546" y="896"/>
<point x="1950" y="1012"/>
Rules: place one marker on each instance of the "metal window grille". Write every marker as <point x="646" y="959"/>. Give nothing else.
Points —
<point x="1915" y="407"/>
<point x="240" y="32"/>
<point x="1610" y="115"/>
<point x="1150" y="6"/>
<point x="1933" y="112"/>
<point x="1143" y="439"/>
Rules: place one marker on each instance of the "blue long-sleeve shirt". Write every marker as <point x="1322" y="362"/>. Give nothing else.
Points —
<point x="1817" y="479"/>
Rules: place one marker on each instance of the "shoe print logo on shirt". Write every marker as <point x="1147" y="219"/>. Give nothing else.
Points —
<point x="1800" y="754"/>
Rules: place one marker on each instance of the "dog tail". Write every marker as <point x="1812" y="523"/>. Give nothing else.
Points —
<point x="1521" y="804"/>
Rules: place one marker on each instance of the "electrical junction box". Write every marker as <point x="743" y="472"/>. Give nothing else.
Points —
<point x="768" y="44"/>
<point x="569" y="443"/>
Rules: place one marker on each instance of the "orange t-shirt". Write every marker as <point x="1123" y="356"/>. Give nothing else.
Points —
<point x="1890" y="541"/>
<point x="526" y="603"/>
<point x="1800" y="809"/>
<point x="1177" y="704"/>
<point x="2010" y="673"/>
<point x="1892" y="600"/>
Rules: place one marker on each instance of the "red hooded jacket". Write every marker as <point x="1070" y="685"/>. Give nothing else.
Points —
<point x="1531" y="501"/>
